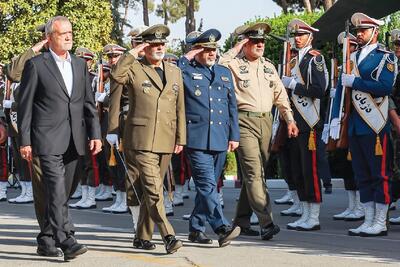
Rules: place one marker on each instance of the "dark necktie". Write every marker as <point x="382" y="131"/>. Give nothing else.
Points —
<point x="160" y="73"/>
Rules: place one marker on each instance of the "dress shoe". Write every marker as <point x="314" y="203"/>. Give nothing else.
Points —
<point x="226" y="234"/>
<point x="143" y="244"/>
<point x="328" y="189"/>
<point x="172" y="244"/>
<point x="73" y="251"/>
<point x="199" y="237"/>
<point x="268" y="232"/>
<point x="248" y="231"/>
<point x="49" y="251"/>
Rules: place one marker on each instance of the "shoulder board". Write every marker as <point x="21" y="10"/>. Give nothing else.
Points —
<point x="314" y="52"/>
<point x="268" y="60"/>
<point x="222" y="66"/>
<point x="382" y="48"/>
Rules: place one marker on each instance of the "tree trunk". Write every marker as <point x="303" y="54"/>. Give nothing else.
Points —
<point x="145" y="12"/>
<point x="284" y="5"/>
<point x="165" y="9"/>
<point x="190" y="23"/>
<point x="124" y="19"/>
<point x="307" y="6"/>
<point x="328" y="4"/>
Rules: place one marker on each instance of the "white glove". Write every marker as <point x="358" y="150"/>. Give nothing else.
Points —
<point x="332" y="93"/>
<point x="335" y="129"/>
<point x="289" y="82"/>
<point x="112" y="139"/>
<point x="325" y="133"/>
<point x="7" y="103"/>
<point x="99" y="97"/>
<point x="348" y="80"/>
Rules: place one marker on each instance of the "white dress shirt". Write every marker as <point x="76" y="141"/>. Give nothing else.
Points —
<point x="65" y="67"/>
<point x="303" y="51"/>
<point x="365" y="51"/>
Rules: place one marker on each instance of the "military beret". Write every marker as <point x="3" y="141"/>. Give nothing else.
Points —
<point x="113" y="49"/>
<point x="362" y="21"/>
<point x="254" y="31"/>
<point x="83" y="52"/>
<point x="155" y="34"/>
<point x="135" y="32"/>
<point x="207" y="39"/>
<point x="299" y="26"/>
<point x="340" y="38"/>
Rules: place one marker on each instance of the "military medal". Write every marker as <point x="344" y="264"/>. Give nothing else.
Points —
<point x="146" y="85"/>
<point x="243" y="69"/>
<point x="197" y="92"/>
<point x="224" y="79"/>
<point x="175" y="87"/>
<point x="390" y="67"/>
<point x="197" y="76"/>
<point x="268" y="70"/>
<point x="246" y="83"/>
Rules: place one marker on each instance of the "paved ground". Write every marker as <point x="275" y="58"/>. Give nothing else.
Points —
<point x="109" y="239"/>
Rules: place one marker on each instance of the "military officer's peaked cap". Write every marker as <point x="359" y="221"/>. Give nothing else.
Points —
<point x="207" y="39"/>
<point x="299" y="26"/>
<point x="155" y="34"/>
<point x="135" y="32"/>
<point x="41" y="28"/>
<point x="257" y="30"/>
<point x="362" y="21"/>
<point x="395" y="35"/>
<point x="83" y="52"/>
<point x="113" y="49"/>
<point x="106" y="66"/>
<point x="340" y="38"/>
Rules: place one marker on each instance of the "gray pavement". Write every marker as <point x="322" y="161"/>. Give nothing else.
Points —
<point x="109" y="238"/>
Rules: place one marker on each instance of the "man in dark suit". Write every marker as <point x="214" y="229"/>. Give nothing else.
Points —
<point x="56" y="117"/>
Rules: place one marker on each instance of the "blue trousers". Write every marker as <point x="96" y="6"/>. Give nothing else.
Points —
<point x="372" y="172"/>
<point x="207" y="167"/>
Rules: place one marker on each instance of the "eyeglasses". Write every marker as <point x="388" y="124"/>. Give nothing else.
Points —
<point x="256" y="41"/>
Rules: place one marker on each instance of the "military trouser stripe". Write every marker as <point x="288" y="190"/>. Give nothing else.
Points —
<point x="95" y="169"/>
<point x="317" y="191"/>
<point x="383" y="171"/>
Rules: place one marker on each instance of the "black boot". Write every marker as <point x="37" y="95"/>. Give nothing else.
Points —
<point x="172" y="244"/>
<point x="143" y="244"/>
<point x="226" y="234"/>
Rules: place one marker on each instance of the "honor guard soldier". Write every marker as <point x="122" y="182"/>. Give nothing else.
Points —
<point x="119" y="94"/>
<point x="88" y="168"/>
<point x="155" y="128"/>
<point x="394" y="111"/>
<point x="257" y="88"/>
<point x="212" y="130"/>
<point x="307" y="85"/>
<point x="373" y="72"/>
<point x="354" y="210"/>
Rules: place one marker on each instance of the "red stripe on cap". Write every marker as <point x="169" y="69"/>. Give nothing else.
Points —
<point x="383" y="172"/>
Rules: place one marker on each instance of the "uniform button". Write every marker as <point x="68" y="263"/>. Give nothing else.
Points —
<point x="212" y="110"/>
<point x="158" y="122"/>
<point x="211" y="122"/>
<point x="168" y="111"/>
<point x="210" y="98"/>
<point x="158" y="110"/>
<point x="219" y="123"/>
<point x="189" y="121"/>
<point x="219" y="99"/>
<point x="219" y="87"/>
<point x="210" y="87"/>
<point x="220" y="112"/>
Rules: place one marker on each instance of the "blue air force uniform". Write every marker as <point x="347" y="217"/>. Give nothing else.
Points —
<point x="212" y="121"/>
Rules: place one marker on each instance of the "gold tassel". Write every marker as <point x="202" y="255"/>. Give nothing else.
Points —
<point x="120" y="146"/>
<point x="311" y="141"/>
<point x="378" y="147"/>
<point x="112" y="161"/>
<point x="349" y="156"/>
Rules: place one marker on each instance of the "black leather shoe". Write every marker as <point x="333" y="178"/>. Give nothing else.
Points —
<point x="172" y="244"/>
<point x="49" y="251"/>
<point x="143" y="244"/>
<point x="227" y="234"/>
<point x="73" y="251"/>
<point x="248" y="231"/>
<point x="268" y="232"/>
<point x="199" y="237"/>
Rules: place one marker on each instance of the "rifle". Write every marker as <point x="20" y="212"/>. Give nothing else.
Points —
<point x="100" y="86"/>
<point x="331" y="145"/>
<point x="280" y="134"/>
<point x="345" y="101"/>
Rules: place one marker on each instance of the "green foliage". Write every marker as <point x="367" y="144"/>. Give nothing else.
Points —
<point x="175" y="9"/>
<point x="392" y="22"/>
<point x="230" y="167"/>
<point x="91" y="21"/>
<point x="278" y="24"/>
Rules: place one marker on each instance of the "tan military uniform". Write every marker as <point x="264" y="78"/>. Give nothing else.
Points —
<point x="257" y="88"/>
<point x="155" y="124"/>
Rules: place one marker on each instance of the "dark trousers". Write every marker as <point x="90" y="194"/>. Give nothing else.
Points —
<point x="341" y="167"/>
<point x="58" y="172"/>
<point x="372" y="171"/>
<point x="284" y="160"/>
<point x="308" y="166"/>
<point x="206" y="168"/>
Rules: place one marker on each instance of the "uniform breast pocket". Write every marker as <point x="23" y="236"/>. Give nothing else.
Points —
<point x="139" y="122"/>
<point x="269" y="79"/>
<point x="191" y="118"/>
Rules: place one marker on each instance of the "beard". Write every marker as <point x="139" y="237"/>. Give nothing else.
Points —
<point x="257" y="51"/>
<point x="157" y="55"/>
<point x="210" y="62"/>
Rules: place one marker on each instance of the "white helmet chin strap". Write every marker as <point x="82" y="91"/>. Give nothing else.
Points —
<point x="307" y="43"/>
<point x="370" y="38"/>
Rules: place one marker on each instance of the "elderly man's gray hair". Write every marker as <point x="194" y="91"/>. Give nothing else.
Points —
<point x="49" y="25"/>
